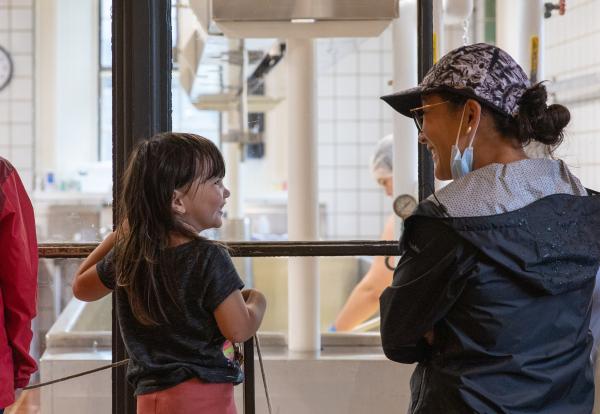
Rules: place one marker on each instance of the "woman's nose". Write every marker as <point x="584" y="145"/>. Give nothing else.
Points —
<point x="226" y="193"/>
<point x="421" y="138"/>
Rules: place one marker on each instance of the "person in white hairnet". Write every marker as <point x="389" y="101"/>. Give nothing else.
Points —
<point x="364" y="299"/>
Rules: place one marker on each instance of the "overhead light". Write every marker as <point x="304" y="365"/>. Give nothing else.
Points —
<point x="303" y="20"/>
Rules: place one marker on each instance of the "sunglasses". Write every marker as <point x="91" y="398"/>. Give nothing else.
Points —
<point x="418" y="114"/>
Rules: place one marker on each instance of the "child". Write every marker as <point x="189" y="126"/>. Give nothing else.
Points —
<point x="178" y="295"/>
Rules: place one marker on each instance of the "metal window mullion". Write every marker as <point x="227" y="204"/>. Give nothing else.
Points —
<point x="141" y="68"/>
<point x="425" y="62"/>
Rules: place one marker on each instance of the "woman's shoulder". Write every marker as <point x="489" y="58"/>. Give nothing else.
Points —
<point x="501" y="188"/>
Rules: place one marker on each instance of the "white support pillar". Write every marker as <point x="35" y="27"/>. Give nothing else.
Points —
<point x="303" y="273"/>
<point x="438" y="29"/>
<point x="519" y="31"/>
<point x="232" y="151"/>
<point x="479" y="22"/>
<point x="232" y="154"/>
<point x="456" y="12"/>
<point x="237" y="226"/>
<point x="404" y="49"/>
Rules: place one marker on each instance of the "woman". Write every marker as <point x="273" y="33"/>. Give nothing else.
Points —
<point x="363" y="302"/>
<point x="492" y="294"/>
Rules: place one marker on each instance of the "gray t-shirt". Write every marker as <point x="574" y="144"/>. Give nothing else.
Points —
<point x="192" y="347"/>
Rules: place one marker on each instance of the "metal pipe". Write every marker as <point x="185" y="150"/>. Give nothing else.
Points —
<point x="249" y="390"/>
<point x="303" y="273"/>
<point x="438" y="29"/>
<point x="254" y="249"/>
<point x="520" y="32"/>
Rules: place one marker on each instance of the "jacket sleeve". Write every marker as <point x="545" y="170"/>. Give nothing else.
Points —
<point x="426" y="283"/>
<point x="18" y="274"/>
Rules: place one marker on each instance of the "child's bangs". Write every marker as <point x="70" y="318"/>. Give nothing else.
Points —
<point x="209" y="163"/>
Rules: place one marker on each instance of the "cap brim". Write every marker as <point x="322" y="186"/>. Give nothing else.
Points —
<point x="404" y="101"/>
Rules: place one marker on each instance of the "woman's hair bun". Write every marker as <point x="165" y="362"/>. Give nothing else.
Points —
<point x="538" y="121"/>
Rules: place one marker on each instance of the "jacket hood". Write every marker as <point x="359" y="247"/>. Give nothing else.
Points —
<point x="552" y="244"/>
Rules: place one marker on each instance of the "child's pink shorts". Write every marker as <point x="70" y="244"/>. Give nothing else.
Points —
<point x="189" y="397"/>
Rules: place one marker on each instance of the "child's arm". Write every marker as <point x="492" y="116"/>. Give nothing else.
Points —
<point x="87" y="285"/>
<point x="238" y="320"/>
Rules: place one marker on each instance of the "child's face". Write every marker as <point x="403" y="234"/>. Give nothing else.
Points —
<point x="202" y="206"/>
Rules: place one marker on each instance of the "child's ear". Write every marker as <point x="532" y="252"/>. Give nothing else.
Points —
<point x="177" y="202"/>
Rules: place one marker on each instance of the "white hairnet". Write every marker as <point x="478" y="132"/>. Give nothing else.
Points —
<point x="383" y="158"/>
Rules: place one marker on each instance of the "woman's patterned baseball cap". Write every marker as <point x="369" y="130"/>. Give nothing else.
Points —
<point x="480" y="71"/>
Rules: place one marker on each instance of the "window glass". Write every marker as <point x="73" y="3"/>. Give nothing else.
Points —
<point x="51" y="131"/>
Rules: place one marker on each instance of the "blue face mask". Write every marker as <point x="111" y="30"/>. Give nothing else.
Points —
<point x="462" y="164"/>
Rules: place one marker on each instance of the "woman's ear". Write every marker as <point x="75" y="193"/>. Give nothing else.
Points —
<point x="473" y="113"/>
<point x="177" y="204"/>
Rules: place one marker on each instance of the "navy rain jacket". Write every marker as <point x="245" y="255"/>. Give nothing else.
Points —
<point x="508" y="297"/>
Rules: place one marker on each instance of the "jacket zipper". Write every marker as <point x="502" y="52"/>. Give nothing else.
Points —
<point x="421" y="391"/>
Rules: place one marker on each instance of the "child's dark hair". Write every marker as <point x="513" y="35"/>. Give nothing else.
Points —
<point x="157" y="167"/>
<point x="535" y="121"/>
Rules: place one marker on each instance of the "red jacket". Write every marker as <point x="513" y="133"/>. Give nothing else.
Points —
<point x="18" y="283"/>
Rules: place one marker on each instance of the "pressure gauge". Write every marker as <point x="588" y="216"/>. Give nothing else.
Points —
<point x="404" y="205"/>
<point x="6" y="68"/>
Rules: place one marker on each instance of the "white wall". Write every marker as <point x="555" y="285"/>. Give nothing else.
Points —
<point x="571" y="56"/>
<point x="17" y="100"/>
<point x="77" y="94"/>
<point x="351" y="120"/>
<point x="67" y="74"/>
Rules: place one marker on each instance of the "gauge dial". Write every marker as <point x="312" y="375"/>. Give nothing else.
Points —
<point x="404" y="205"/>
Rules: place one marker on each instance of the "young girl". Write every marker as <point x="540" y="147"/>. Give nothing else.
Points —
<point x="179" y="298"/>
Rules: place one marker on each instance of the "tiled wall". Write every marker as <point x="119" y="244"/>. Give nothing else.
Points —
<point x="573" y="65"/>
<point x="351" y="119"/>
<point x="17" y="99"/>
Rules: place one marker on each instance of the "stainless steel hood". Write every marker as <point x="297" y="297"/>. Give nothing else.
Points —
<point x="303" y="18"/>
<point x="287" y="10"/>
